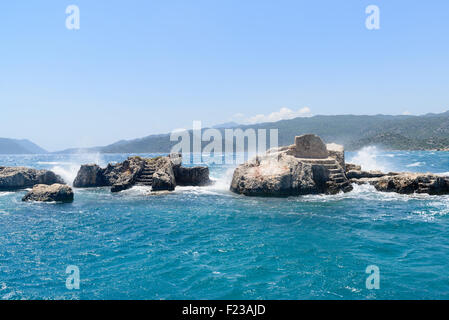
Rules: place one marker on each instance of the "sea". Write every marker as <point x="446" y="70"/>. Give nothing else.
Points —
<point x="209" y="243"/>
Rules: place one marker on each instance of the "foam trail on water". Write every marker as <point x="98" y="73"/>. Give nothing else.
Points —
<point x="415" y="164"/>
<point x="368" y="158"/>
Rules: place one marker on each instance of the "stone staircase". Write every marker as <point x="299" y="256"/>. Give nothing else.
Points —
<point x="424" y="187"/>
<point x="337" y="175"/>
<point x="146" y="176"/>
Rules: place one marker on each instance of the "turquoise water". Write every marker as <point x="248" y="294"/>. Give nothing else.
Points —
<point x="207" y="243"/>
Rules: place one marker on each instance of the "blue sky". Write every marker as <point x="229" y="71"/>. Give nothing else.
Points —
<point x="141" y="67"/>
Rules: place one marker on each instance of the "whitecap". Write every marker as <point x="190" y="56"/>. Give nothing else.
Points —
<point x="415" y="164"/>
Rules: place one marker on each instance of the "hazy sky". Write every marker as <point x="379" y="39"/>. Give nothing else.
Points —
<point x="140" y="67"/>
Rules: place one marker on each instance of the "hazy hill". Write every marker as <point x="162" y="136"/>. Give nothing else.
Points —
<point x="14" y="146"/>
<point x="430" y="131"/>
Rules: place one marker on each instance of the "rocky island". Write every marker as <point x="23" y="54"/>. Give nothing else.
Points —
<point x="311" y="167"/>
<point x="161" y="174"/>
<point x="16" y="178"/>
<point x="306" y="167"/>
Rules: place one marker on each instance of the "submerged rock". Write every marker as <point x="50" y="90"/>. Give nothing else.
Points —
<point x="16" y="178"/>
<point x="50" y="193"/>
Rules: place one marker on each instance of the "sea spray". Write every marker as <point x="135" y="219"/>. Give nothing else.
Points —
<point x="369" y="159"/>
<point x="68" y="170"/>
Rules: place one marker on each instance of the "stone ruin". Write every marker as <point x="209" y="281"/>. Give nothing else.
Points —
<point x="310" y="146"/>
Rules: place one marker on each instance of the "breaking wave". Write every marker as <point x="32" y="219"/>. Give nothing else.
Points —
<point x="370" y="159"/>
<point x="68" y="170"/>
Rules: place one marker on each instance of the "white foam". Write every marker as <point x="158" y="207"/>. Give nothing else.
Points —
<point x="2" y="194"/>
<point x="220" y="185"/>
<point x="415" y="164"/>
<point x="369" y="159"/>
<point x="137" y="191"/>
<point x="369" y="192"/>
<point x="68" y="170"/>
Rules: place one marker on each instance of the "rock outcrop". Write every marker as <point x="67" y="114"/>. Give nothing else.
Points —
<point x="90" y="175"/>
<point x="407" y="183"/>
<point x="401" y="182"/>
<point x="303" y="168"/>
<point x="164" y="177"/>
<point x="50" y="193"/>
<point x="192" y="176"/>
<point x="16" y="178"/>
<point x="161" y="173"/>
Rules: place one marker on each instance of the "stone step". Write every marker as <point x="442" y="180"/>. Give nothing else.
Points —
<point x="144" y="179"/>
<point x="339" y="180"/>
<point x="336" y="174"/>
<point x="145" y="176"/>
<point x="319" y="161"/>
<point x="333" y="171"/>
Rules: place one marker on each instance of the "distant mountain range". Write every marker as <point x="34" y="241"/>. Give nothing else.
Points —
<point x="14" y="146"/>
<point x="405" y="132"/>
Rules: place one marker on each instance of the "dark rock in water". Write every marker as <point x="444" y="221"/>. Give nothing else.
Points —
<point x="122" y="176"/>
<point x="119" y="176"/>
<point x="407" y="183"/>
<point x="192" y="176"/>
<point x="90" y="175"/>
<point x="50" y="193"/>
<point x="16" y="178"/>
<point x="159" y="173"/>
<point x="164" y="177"/>
<point x="358" y="174"/>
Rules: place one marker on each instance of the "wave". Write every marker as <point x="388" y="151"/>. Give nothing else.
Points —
<point x="220" y="184"/>
<point x="68" y="170"/>
<point x="369" y="192"/>
<point x="4" y="193"/>
<point x="369" y="159"/>
<point x="415" y="164"/>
